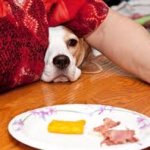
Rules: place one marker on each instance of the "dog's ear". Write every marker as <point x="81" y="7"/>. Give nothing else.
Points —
<point x="82" y="52"/>
<point x="89" y="62"/>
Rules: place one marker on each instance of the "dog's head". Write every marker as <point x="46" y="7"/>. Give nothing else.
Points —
<point x="64" y="56"/>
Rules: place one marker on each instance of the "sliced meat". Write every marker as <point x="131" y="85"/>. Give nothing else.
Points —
<point x="108" y="123"/>
<point x="113" y="137"/>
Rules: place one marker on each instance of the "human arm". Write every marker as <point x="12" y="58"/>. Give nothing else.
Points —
<point x="124" y="42"/>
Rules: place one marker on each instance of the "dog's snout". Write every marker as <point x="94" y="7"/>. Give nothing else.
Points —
<point x="61" y="61"/>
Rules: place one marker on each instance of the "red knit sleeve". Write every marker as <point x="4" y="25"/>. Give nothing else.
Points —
<point x="89" y="17"/>
<point x="82" y="16"/>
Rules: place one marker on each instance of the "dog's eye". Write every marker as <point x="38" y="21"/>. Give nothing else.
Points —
<point x="72" y="42"/>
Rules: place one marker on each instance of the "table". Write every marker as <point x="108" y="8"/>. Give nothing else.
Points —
<point x="112" y="86"/>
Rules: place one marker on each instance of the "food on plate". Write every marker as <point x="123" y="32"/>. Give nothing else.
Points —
<point x="108" y="123"/>
<point x="114" y="136"/>
<point x="66" y="127"/>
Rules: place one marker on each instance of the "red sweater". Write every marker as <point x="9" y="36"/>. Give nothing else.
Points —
<point x="24" y="33"/>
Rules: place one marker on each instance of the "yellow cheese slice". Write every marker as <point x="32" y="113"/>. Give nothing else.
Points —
<point x="66" y="127"/>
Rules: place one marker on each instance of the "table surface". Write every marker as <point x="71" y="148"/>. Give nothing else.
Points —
<point x="112" y="86"/>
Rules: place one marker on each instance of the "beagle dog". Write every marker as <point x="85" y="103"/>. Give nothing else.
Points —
<point x="65" y="56"/>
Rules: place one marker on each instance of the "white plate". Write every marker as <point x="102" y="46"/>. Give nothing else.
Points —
<point x="30" y="127"/>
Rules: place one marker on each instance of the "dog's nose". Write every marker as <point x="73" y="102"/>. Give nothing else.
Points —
<point x="61" y="61"/>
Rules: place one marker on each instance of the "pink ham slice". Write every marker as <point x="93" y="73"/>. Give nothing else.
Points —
<point x="113" y="137"/>
<point x="108" y="123"/>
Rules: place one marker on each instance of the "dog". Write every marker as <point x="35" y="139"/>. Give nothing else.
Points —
<point x="65" y="56"/>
